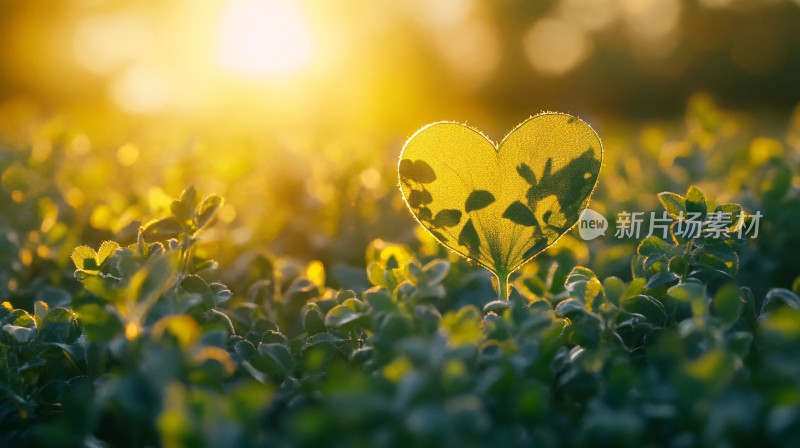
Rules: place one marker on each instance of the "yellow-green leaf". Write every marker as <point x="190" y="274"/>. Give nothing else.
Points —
<point x="162" y="229"/>
<point x="674" y="204"/>
<point x="696" y="202"/>
<point x="207" y="209"/>
<point x="107" y="249"/>
<point x="501" y="204"/>
<point x="81" y="255"/>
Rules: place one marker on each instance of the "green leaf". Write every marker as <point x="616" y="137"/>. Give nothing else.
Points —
<point x="674" y="204"/>
<point x="615" y="289"/>
<point x="245" y="349"/>
<point x="379" y="300"/>
<point x="778" y="298"/>
<point x="727" y="305"/>
<point x="582" y="283"/>
<point x="644" y="305"/>
<point x="520" y="214"/>
<point x="653" y="245"/>
<point x="184" y="208"/>
<point x="207" y="209"/>
<point x="99" y="324"/>
<point x="579" y="274"/>
<point x="735" y="211"/>
<point x="321" y="339"/>
<point x="106" y="251"/>
<point x="340" y="316"/>
<point x="82" y="254"/>
<point x="635" y="287"/>
<point x="162" y="229"/>
<point x="436" y="271"/>
<point x="478" y="200"/>
<point x="711" y="371"/>
<point x="183" y="328"/>
<point x="274" y="337"/>
<point x="20" y="318"/>
<point x="463" y="326"/>
<point x="60" y="325"/>
<point x="22" y="335"/>
<point x="571" y="308"/>
<point x="376" y="274"/>
<point x="688" y="292"/>
<point x="660" y="279"/>
<point x="156" y="277"/>
<point x="313" y="319"/>
<point x="497" y="306"/>
<point x="274" y="359"/>
<point x="721" y="258"/>
<point x="40" y="310"/>
<point x="195" y="284"/>
<point x="221" y="292"/>
<point x="696" y="202"/>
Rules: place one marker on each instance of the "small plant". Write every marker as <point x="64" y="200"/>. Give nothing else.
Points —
<point x="501" y="204"/>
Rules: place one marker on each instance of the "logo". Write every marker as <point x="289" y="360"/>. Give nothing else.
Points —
<point x="592" y="224"/>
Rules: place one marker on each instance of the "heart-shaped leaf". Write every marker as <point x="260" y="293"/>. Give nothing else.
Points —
<point x="501" y="204"/>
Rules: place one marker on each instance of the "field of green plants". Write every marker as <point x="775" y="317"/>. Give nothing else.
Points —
<point x="296" y="223"/>
<point x="145" y="305"/>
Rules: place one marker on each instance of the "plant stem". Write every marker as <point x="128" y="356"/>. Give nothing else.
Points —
<point x="502" y="286"/>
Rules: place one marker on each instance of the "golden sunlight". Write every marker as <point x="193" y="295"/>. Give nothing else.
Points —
<point x="263" y="37"/>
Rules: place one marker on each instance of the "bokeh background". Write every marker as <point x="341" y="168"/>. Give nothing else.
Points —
<point x="266" y="66"/>
<point x="295" y="111"/>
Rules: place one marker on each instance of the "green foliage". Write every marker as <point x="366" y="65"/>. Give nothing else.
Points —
<point x="156" y="354"/>
<point x="656" y="342"/>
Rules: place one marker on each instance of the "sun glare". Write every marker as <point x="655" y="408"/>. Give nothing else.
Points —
<point x="264" y="37"/>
